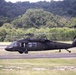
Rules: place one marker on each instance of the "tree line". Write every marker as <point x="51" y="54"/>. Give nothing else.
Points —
<point x="40" y="22"/>
<point x="40" y="18"/>
<point x="52" y="20"/>
<point x="10" y="11"/>
<point x="55" y="34"/>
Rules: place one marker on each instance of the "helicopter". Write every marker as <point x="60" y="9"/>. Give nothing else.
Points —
<point x="38" y="44"/>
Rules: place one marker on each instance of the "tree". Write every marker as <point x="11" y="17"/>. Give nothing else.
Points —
<point x="36" y="18"/>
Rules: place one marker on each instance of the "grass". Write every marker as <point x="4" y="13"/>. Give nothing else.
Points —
<point x="37" y="66"/>
<point x="50" y="72"/>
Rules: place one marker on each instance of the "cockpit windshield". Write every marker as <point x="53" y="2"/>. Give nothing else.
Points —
<point x="13" y="44"/>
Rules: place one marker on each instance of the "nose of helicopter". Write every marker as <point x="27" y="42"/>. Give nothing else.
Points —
<point x="11" y="47"/>
<point x="8" y="49"/>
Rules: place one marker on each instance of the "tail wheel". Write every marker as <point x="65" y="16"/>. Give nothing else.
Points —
<point x="20" y="52"/>
<point x="68" y="51"/>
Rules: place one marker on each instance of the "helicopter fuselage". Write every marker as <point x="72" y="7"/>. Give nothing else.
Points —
<point x="25" y="45"/>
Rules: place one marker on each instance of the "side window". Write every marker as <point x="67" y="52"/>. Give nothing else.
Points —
<point x="22" y="44"/>
<point x="32" y="44"/>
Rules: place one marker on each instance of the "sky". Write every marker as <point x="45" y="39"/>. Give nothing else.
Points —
<point x="28" y="0"/>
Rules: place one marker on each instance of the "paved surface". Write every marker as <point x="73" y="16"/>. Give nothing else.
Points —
<point x="3" y="46"/>
<point x="34" y="56"/>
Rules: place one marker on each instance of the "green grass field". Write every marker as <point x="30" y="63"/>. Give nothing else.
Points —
<point x="51" y="66"/>
<point x="38" y="67"/>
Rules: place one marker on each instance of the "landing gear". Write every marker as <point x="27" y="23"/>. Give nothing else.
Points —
<point x="68" y="51"/>
<point x="65" y="49"/>
<point x="23" y="51"/>
<point x="59" y="50"/>
<point x="26" y="51"/>
<point x="20" y="52"/>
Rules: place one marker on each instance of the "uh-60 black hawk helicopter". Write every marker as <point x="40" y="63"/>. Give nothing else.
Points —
<point x="38" y="44"/>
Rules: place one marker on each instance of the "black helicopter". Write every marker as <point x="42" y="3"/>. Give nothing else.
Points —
<point x="38" y="44"/>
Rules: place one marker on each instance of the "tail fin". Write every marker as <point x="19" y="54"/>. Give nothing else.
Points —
<point x="74" y="42"/>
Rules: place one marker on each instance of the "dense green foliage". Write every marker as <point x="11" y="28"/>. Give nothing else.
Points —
<point x="50" y="33"/>
<point x="54" y="20"/>
<point x="38" y="18"/>
<point x="9" y="10"/>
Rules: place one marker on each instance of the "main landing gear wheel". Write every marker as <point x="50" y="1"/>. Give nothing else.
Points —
<point x="26" y="51"/>
<point x="59" y="50"/>
<point x="20" y="52"/>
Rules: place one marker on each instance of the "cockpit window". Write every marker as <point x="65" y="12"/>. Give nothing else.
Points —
<point x="14" y="44"/>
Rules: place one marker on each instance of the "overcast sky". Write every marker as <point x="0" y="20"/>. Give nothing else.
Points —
<point x="28" y="0"/>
